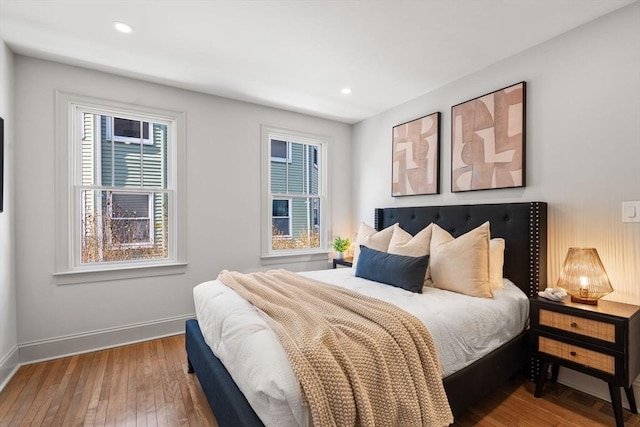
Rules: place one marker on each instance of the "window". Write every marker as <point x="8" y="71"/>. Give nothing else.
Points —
<point x="128" y="131"/>
<point x="294" y="193"/>
<point x="131" y="219"/>
<point x="280" y="151"/>
<point x="122" y="186"/>
<point x="316" y="213"/>
<point x="281" y="218"/>
<point x="315" y="156"/>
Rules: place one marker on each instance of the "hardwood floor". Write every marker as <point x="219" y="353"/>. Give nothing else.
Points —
<point x="514" y="405"/>
<point x="146" y="384"/>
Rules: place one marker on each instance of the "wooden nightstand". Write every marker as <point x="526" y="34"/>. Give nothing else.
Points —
<point x="600" y="340"/>
<point x="347" y="262"/>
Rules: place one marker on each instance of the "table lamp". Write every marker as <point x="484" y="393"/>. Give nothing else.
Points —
<point x="583" y="276"/>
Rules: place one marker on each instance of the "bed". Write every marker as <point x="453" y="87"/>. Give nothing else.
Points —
<point x="522" y="225"/>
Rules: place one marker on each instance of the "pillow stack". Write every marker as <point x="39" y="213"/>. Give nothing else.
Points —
<point x="403" y="243"/>
<point x="373" y="239"/>
<point x="462" y="264"/>
<point x="470" y="264"/>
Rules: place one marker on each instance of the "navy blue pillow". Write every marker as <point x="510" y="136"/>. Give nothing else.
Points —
<point x="404" y="272"/>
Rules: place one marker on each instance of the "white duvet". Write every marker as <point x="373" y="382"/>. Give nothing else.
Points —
<point x="464" y="329"/>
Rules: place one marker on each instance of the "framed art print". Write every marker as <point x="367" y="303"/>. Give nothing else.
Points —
<point x="416" y="157"/>
<point x="1" y="163"/>
<point x="488" y="141"/>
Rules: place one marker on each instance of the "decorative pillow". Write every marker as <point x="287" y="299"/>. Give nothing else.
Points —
<point x="404" y="272"/>
<point x="462" y="264"/>
<point x="403" y="243"/>
<point x="496" y="263"/>
<point x="369" y="237"/>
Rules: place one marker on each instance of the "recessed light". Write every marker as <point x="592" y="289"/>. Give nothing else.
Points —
<point x="346" y="91"/>
<point x="122" y="27"/>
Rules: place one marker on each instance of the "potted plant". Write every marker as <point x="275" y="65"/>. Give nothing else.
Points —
<point x="340" y="246"/>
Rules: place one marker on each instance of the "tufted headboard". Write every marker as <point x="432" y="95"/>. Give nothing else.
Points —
<point x="523" y="226"/>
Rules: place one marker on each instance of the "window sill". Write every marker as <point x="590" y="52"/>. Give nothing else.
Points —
<point x="292" y="258"/>
<point x="119" y="273"/>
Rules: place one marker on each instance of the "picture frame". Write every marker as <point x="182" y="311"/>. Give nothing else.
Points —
<point x="1" y="163"/>
<point x="415" y="166"/>
<point x="488" y="141"/>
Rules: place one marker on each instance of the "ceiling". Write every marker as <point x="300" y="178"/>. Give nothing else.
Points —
<point x="295" y="55"/>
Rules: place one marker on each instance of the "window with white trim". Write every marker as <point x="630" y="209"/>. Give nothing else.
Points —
<point x="131" y="219"/>
<point x="280" y="151"/>
<point x="128" y="131"/>
<point x="281" y="217"/>
<point x="121" y="186"/>
<point x="294" y="192"/>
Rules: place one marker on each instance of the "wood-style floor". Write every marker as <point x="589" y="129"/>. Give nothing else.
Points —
<point x="146" y="384"/>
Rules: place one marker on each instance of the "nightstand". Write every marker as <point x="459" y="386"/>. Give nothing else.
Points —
<point x="347" y="262"/>
<point x="599" y="340"/>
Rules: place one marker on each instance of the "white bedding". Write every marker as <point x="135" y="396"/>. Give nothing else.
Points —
<point x="464" y="329"/>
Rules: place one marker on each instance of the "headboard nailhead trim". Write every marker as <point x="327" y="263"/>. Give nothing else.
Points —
<point x="534" y="248"/>
<point x="534" y="263"/>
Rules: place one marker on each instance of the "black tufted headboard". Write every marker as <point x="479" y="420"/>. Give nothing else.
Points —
<point x="523" y="226"/>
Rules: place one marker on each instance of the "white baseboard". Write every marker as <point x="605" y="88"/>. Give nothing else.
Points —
<point x="9" y="365"/>
<point x="53" y="348"/>
<point x="594" y="386"/>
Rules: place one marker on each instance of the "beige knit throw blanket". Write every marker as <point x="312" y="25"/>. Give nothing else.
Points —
<point x="360" y="361"/>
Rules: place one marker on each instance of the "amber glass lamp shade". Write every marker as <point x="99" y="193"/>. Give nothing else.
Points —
<point x="583" y="276"/>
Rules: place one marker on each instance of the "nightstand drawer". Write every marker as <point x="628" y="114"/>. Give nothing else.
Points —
<point x="578" y="325"/>
<point x="582" y="356"/>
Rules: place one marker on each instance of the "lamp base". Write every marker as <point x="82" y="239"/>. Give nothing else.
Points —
<point x="584" y="300"/>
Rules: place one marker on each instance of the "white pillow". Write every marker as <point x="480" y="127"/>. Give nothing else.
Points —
<point x="496" y="263"/>
<point x="403" y="243"/>
<point x="461" y="265"/>
<point x="369" y="237"/>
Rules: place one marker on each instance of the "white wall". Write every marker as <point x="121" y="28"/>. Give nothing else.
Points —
<point x="223" y="209"/>
<point x="583" y="143"/>
<point x="8" y="328"/>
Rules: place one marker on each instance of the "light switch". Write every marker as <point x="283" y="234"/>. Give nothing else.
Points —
<point x="631" y="211"/>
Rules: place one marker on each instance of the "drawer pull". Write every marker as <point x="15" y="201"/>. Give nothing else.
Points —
<point x="574" y="325"/>
<point x="573" y="353"/>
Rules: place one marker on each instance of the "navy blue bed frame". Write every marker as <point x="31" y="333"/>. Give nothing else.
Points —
<point x="524" y="228"/>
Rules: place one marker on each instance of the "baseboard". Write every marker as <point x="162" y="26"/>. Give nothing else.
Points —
<point x="37" y="351"/>
<point x="594" y="386"/>
<point x="9" y="365"/>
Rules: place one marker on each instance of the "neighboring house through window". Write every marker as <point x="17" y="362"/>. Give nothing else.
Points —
<point x="294" y="192"/>
<point x="124" y="187"/>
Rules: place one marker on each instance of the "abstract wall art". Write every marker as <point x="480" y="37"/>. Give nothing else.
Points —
<point x="416" y="157"/>
<point x="488" y="141"/>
